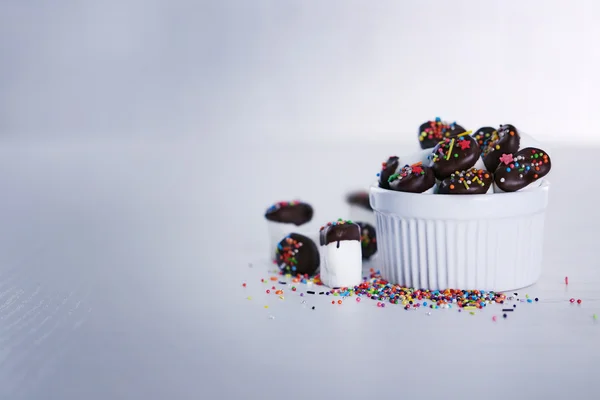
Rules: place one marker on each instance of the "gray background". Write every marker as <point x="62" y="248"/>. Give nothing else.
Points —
<point x="142" y="141"/>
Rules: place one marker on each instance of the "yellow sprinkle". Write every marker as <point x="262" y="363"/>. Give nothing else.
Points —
<point x="450" y="151"/>
<point x="595" y="317"/>
<point x="465" y="133"/>
<point x="249" y="298"/>
<point x="497" y="147"/>
<point x="281" y="297"/>
<point x="526" y="296"/>
<point x="469" y="308"/>
<point x="465" y="183"/>
<point x="472" y="313"/>
<point x="266" y="306"/>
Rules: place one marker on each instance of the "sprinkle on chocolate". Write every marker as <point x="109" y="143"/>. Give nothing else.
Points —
<point x="431" y="132"/>
<point x="505" y="140"/>
<point x="521" y="169"/>
<point x="415" y="178"/>
<point x="297" y="254"/>
<point x="472" y="181"/>
<point x="454" y="154"/>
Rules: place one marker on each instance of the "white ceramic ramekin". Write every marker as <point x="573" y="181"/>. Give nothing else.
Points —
<point x="477" y="242"/>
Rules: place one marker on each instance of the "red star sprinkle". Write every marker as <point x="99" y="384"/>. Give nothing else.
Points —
<point x="416" y="169"/>
<point x="464" y="144"/>
<point x="506" y="158"/>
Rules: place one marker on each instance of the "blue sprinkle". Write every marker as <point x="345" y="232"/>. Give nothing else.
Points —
<point x="377" y="174"/>
<point x="508" y="169"/>
<point x="516" y="164"/>
<point x="528" y="168"/>
<point x="293" y="268"/>
<point x="424" y="303"/>
<point x="529" y="300"/>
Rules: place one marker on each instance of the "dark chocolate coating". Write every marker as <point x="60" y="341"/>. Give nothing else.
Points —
<point x="388" y="168"/>
<point x="483" y="135"/>
<point x="360" y="199"/>
<point x="528" y="165"/>
<point x="413" y="179"/>
<point x="297" y="254"/>
<point x="368" y="240"/>
<point x="465" y="153"/>
<point x="432" y="132"/>
<point x="293" y="213"/>
<point x="322" y="235"/>
<point x="338" y="232"/>
<point x="506" y="141"/>
<point x="473" y="181"/>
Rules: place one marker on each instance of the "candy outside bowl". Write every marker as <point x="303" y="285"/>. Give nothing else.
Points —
<point x="472" y="242"/>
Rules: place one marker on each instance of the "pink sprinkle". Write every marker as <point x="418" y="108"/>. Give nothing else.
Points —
<point x="494" y="318"/>
<point x="566" y="280"/>
<point x="358" y="299"/>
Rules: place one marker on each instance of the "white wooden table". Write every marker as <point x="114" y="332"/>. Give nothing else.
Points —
<point x="121" y="271"/>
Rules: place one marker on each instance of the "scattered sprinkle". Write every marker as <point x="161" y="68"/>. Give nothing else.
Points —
<point x="566" y="280"/>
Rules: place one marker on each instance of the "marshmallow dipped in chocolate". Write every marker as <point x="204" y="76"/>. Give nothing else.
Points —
<point x="521" y="169"/>
<point x="341" y="230"/>
<point x="291" y="212"/>
<point x="432" y="132"/>
<point x="454" y="154"/>
<point x="388" y="168"/>
<point x="472" y="181"/>
<point x="496" y="142"/>
<point x="415" y="178"/>
<point x="297" y="254"/>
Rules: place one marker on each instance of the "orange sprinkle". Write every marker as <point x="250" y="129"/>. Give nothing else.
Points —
<point x="511" y="133"/>
<point x="451" y="187"/>
<point x="273" y="278"/>
<point x="535" y="176"/>
<point x="487" y="176"/>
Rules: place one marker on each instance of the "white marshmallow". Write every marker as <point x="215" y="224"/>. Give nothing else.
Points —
<point x="343" y="264"/>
